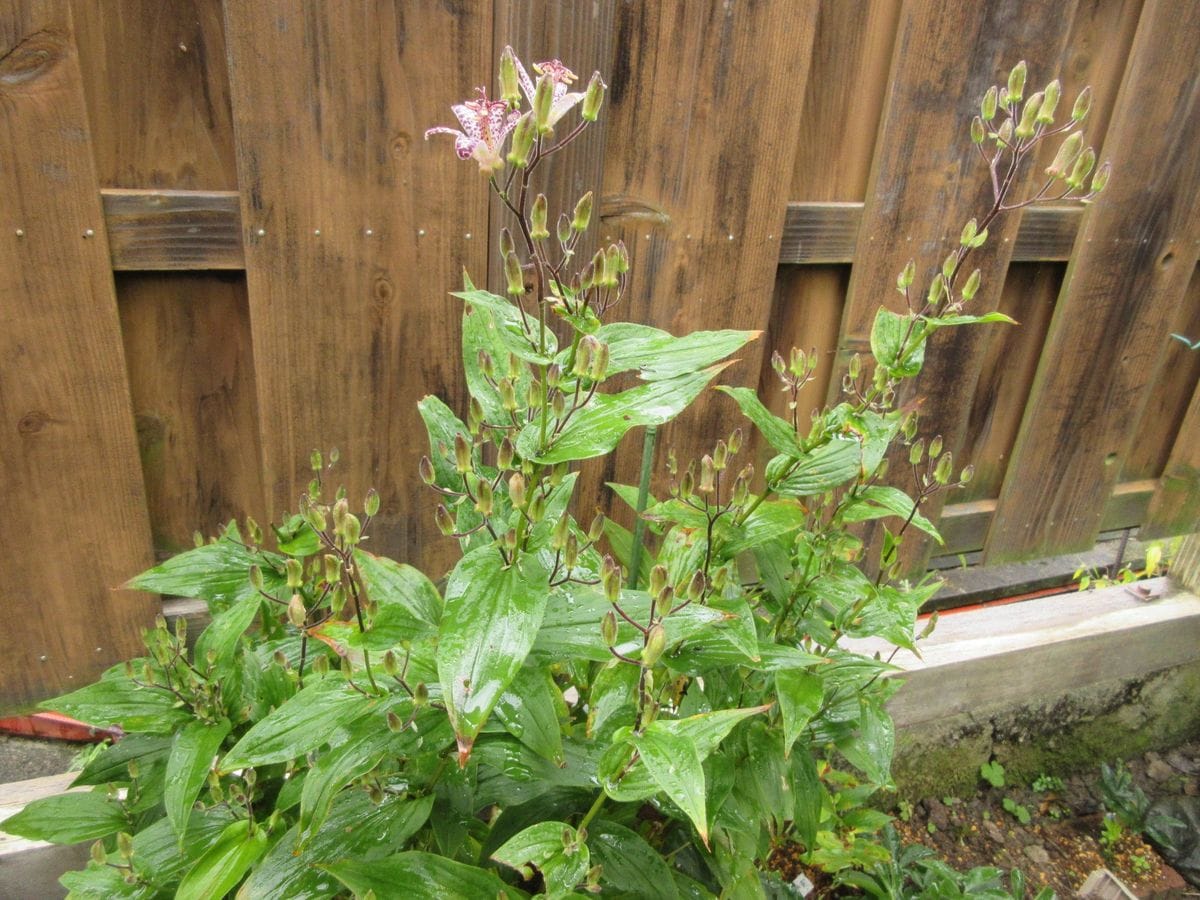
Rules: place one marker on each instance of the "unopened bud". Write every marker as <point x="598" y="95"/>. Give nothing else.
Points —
<point x="1066" y="155"/>
<point x="510" y="85"/>
<point x="735" y="441"/>
<point x="720" y="455"/>
<point x="543" y="102"/>
<point x="587" y="277"/>
<point x="741" y="490"/>
<point x="1100" y="179"/>
<point x="1082" y="169"/>
<point x="125" y="845"/>
<point x="593" y="98"/>
<point x="1083" y="103"/>
<point x="596" y="529"/>
<point x="98" y="855"/>
<point x="514" y="278"/>
<point x="483" y="497"/>
<point x="522" y="141"/>
<point x="972" y="286"/>
<point x="563" y="229"/>
<point x="687" y="484"/>
<point x="778" y="363"/>
<point x="314" y="461"/>
<point x="612" y="265"/>
<point x="295" y="572"/>
<point x="935" y="446"/>
<point x="608" y="628"/>
<point x="444" y="521"/>
<point x="696" y="586"/>
<point x="978" y="132"/>
<point x="537" y="507"/>
<point x="707" y="473"/>
<point x="941" y="472"/>
<point x="462" y="454"/>
<point x="987" y="108"/>
<point x="622" y="258"/>
<point x="558" y="537"/>
<point x="571" y="551"/>
<point x="320" y="665"/>
<point x="508" y="394"/>
<point x="917" y="451"/>
<point x="854" y="367"/>
<point x="333" y="569"/>
<point x="1016" y="82"/>
<point x="1029" y="114"/>
<point x="610" y="578"/>
<point x="583" y="356"/>
<point x="599" y="367"/>
<point x="391" y="664"/>
<point x="352" y="530"/>
<point x="504" y="454"/>
<point x="656" y="643"/>
<point x="937" y="290"/>
<point x="539" y="217"/>
<point x="1005" y="132"/>
<point x="1050" y="99"/>
<point x="583" y="212"/>
<point x="949" y="264"/>
<point x="394" y="723"/>
<point x="420" y="695"/>
<point x="296" y="612"/>
<point x="600" y="269"/>
<point x="966" y="475"/>
<point x="558" y="404"/>
<point x="516" y="490"/>
<point x="425" y="468"/>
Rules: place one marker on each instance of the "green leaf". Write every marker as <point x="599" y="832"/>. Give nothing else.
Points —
<point x="441" y="424"/>
<point x="773" y="519"/>
<point x="511" y="774"/>
<point x="630" y="866"/>
<point x="893" y="336"/>
<point x="314" y="716"/>
<point x="779" y="433"/>
<point x="824" y="468"/>
<point x="480" y="331"/>
<point x="220" y="869"/>
<point x="508" y="327"/>
<point x="659" y="355"/>
<point x="116" y="700"/>
<point x="612" y="699"/>
<point x="554" y="849"/>
<point x="808" y="796"/>
<point x="68" y="818"/>
<point x="191" y="758"/>
<point x="674" y="763"/>
<point x="224" y="631"/>
<point x="492" y="616"/>
<point x="112" y="763"/>
<point x="946" y="321"/>
<point x="334" y="770"/>
<point x="425" y="876"/>
<point x="621" y="541"/>
<point x="157" y="855"/>
<point x="598" y="427"/>
<point x="408" y="601"/>
<point x="879" y="500"/>
<point x="531" y="709"/>
<point x="217" y="572"/>
<point x="871" y="748"/>
<point x="356" y="829"/>
<point x="800" y="694"/>
<point x="98" y="882"/>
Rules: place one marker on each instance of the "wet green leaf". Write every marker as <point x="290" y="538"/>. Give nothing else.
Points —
<point x="877" y="501"/>
<point x="116" y="700"/>
<point x="223" y="633"/>
<point x="425" y="876"/>
<point x="224" y="863"/>
<point x="531" y="709"/>
<point x="409" y="604"/>
<point x="192" y="755"/>
<point x="68" y="818"/>
<point x="824" y="468"/>
<point x="658" y="355"/>
<point x="674" y="762"/>
<point x="779" y="434"/>
<point x="800" y="694"/>
<point x="630" y="865"/>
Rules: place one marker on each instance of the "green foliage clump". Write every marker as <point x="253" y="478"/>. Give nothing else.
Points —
<point x="550" y="721"/>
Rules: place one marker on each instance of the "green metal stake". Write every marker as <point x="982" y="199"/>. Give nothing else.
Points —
<point x="639" y="527"/>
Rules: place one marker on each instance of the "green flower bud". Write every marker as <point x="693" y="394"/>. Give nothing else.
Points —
<point x="562" y="529"/>
<point x="425" y="468"/>
<point x="320" y="665"/>
<point x="97" y="853"/>
<point x="256" y="579"/>
<point x="687" y="484"/>
<point x="510" y="539"/>
<point x="978" y="132"/>
<point x="941" y="472"/>
<point x="935" y="446"/>
<point x="583" y="212"/>
<point x="583" y="356"/>
<point x="622" y="258"/>
<point x="1029" y="114"/>
<point x="1050" y="99"/>
<point x="987" y="108"/>
<point x="741" y="490"/>
<point x="720" y="455"/>
<point x="295" y="572"/>
<point x="537" y="507"/>
<point x="333" y="568"/>
<point x="474" y="415"/>
<point x="420" y="695"/>
<point x="133" y="768"/>
<point x="296" y="612"/>
<point x="444" y="521"/>
<point x="571" y="551"/>
<point x="508" y="394"/>
<point x="505" y="453"/>
<point x="972" y="286"/>
<point x="391" y="664"/>
<point x="612" y="265"/>
<point x="394" y="723"/>
<point x="587" y="277"/>
<point x="596" y="529"/>
<point x="563" y="229"/>
<point x="656" y="643"/>
<point x="1082" y="168"/>
<point x="557" y="473"/>
<point x="966" y="475"/>
<point x="937" y="290"/>
<point x="916" y="452"/>
<point x="507" y="245"/>
<point x="125" y="845"/>
<point x="1100" y="179"/>
<point x="608" y="628"/>
<point x="462" y="454"/>
<point x="1005" y="133"/>
<point x="908" y="425"/>
<point x="522" y="141"/>
<point x="553" y="375"/>
<point x="371" y="503"/>
<point x="543" y="101"/>
<point x="1083" y="104"/>
<point x="516" y="490"/>
<point x="949" y="264"/>
<point x="1066" y="155"/>
<point x="514" y="278"/>
<point x="341" y="510"/>
<point x="696" y="586"/>
<point x="558" y="405"/>
<point x="484" y="498"/>
<point x="600" y="269"/>
<point x="854" y="367"/>
<point x="707" y="473"/>
<point x="510" y="85"/>
<point x="906" y="277"/>
<point x="599" y="367"/>
<point x="968" y="233"/>
<point x="610" y="579"/>
<point x="539" y="216"/>
<point x="798" y="364"/>
<point x="1016" y="82"/>
<point x="314" y="461"/>
<point x="593" y="97"/>
<point x="253" y="530"/>
<point x="664" y="601"/>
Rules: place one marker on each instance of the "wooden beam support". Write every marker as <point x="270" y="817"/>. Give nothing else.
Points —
<point x="179" y="231"/>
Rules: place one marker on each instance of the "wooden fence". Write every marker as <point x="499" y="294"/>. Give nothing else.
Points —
<point x="224" y="243"/>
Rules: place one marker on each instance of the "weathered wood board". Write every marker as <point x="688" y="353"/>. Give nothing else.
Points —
<point x="75" y="523"/>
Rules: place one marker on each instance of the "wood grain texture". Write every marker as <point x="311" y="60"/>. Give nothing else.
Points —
<point x="75" y="523"/>
<point x="356" y="229"/>
<point x="927" y="182"/>
<point x="157" y="231"/>
<point x="702" y="96"/>
<point x="1134" y="257"/>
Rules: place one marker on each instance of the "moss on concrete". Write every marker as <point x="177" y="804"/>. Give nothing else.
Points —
<point x="1058" y="735"/>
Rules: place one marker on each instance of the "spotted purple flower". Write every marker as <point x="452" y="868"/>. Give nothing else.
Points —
<point x="485" y="125"/>
<point x="560" y="76"/>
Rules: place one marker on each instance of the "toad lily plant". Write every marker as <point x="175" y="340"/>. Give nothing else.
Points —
<point x="550" y="722"/>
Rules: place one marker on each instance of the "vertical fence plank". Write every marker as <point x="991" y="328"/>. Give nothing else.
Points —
<point x="74" y="524"/>
<point x="1133" y="257"/>
<point x="927" y="181"/>
<point x="699" y="94"/>
<point x="158" y="101"/>
<point x="839" y="117"/>
<point x="355" y="230"/>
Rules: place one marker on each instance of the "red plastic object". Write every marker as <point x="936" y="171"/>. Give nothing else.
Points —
<point x="56" y="727"/>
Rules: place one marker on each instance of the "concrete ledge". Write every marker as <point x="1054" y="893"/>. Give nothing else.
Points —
<point x="31" y="868"/>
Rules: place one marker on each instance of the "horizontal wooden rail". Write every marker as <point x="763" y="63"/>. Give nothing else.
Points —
<point x="151" y="230"/>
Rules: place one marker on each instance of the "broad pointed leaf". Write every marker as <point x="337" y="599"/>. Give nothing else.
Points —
<point x="491" y="619"/>
<point x="530" y="710"/>
<point x="407" y="599"/>
<point x="220" y="869"/>
<point x="68" y="818"/>
<point x="674" y="763"/>
<point x="657" y="354"/>
<point x="877" y="501"/>
<point x="442" y="425"/>
<point x="192" y="755"/>
<point x="800" y="694"/>
<point x="223" y="633"/>
<point x="425" y="876"/>
<point x="779" y="434"/>
<point x="630" y="865"/>
<point x="544" y="846"/>
<point x="820" y="470"/>
<point x="116" y="700"/>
